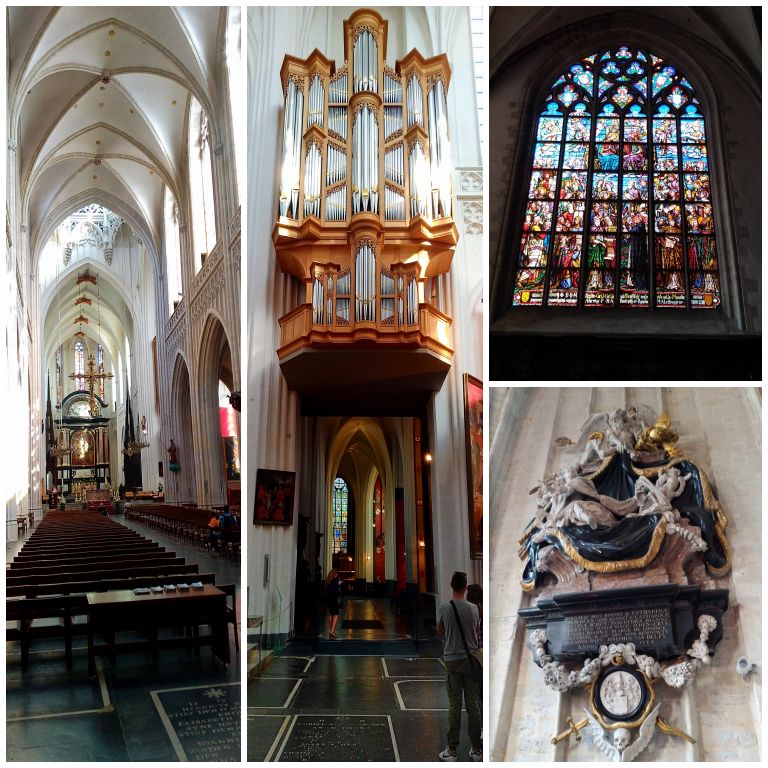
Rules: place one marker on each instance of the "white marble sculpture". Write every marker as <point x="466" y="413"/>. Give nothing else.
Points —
<point x="623" y="749"/>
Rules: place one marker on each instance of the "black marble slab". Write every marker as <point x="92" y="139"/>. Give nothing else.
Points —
<point x="339" y="738"/>
<point x="203" y="723"/>
<point x="660" y="620"/>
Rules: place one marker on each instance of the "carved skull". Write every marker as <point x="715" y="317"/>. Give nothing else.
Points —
<point x="621" y="739"/>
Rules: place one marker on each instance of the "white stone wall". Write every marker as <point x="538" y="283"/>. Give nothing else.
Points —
<point x="720" y="429"/>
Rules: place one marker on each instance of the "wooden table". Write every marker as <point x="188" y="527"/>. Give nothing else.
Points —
<point x="123" y="610"/>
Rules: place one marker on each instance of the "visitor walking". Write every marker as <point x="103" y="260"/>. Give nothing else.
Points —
<point x="332" y="593"/>
<point x="459" y="622"/>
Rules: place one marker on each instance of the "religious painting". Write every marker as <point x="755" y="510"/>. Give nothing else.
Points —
<point x="699" y="217"/>
<point x="666" y="186"/>
<point x="665" y="157"/>
<point x="231" y="457"/>
<point x="546" y="156"/>
<point x="473" y="425"/>
<point x="275" y="491"/>
<point x="543" y="185"/>
<point x="83" y="448"/>
<point x="696" y="186"/>
<point x="604" y="217"/>
<point x="664" y="131"/>
<point x="550" y="129"/>
<point x="570" y="216"/>
<point x="538" y="216"/>
<point x="635" y="186"/>
<point x="634" y="215"/>
<point x="576" y="156"/>
<point x="573" y="185"/>
<point x="635" y="158"/>
<point x="605" y="186"/>
<point x="533" y="250"/>
<point x="606" y="157"/>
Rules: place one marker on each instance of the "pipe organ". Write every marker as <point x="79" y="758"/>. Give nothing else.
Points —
<point x="365" y="212"/>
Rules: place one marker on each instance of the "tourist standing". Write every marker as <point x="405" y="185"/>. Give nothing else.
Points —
<point x="332" y="593"/>
<point x="459" y="622"/>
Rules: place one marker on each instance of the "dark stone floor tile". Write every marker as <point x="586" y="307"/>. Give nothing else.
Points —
<point x="262" y="731"/>
<point x="415" y="667"/>
<point x="422" y="694"/>
<point x="270" y="692"/>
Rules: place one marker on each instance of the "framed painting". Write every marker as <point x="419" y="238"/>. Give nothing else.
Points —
<point x="473" y="426"/>
<point x="273" y="504"/>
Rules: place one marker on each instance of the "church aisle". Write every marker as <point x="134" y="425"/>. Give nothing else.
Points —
<point x="179" y="707"/>
<point x="348" y="708"/>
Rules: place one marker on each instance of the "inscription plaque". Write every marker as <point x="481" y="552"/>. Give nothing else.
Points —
<point x="643" y="626"/>
<point x="339" y="739"/>
<point x="203" y="723"/>
<point x="660" y="619"/>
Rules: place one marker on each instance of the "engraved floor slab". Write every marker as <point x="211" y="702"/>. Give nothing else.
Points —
<point x="339" y="738"/>
<point x="203" y="723"/>
<point x="413" y="667"/>
<point x="422" y="694"/>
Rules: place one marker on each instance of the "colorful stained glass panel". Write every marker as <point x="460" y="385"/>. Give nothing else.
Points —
<point x="538" y="216"/>
<point x="699" y="217"/>
<point x="550" y="129"/>
<point x="695" y="157"/>
<point x="578" y="128"/>
<point x="635" y="129"/>
<point x="543" y="185"/>
<point x="576" y="156"/>
<point x="604" y="217"/>
<point x="546" y="156"/>
<point x="574" y="185"/>
<point x="605" y="186"/>
<point x="696" y="186"/>
<point x="692" y="130"/>
<point x="533" y="250"/>
<point x="635" y="157"/>
<point x="668" y="217"/>
<point x="635" y="186"/>
<point x="667" y="186"/>
<point x="665" y="157"/>
<point x="570" y="216"/>
<point x="606" y="157"/>
<point x="607" y="129"/>
<point x="567" y="251"/>
<point x="664" y="131"/>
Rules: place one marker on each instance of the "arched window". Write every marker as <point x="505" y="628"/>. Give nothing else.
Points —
<point x="172" y="250"/>
<point x="201" y="183"/>
<point x="619" y="208"/>
<point x="339" y="508"/>
<point x="79" y="368"/>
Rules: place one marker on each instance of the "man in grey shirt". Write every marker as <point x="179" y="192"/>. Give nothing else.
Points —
<point x="461" y="684"/>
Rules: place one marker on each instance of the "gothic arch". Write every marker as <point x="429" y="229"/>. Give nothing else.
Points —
<point x="214" y="350"/>
<point x="180" y="486"/>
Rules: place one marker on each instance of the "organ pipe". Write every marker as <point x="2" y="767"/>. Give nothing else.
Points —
<point x="318" y="301"/>
<point x="365" y="283"/>
<point x="291" y="165"/>
<point x="316" y="102"/>
<point x="439" y="150"/>
<point x="419" y="177"/>
<point x="413" y="304"/>
<point x="312" y="168"/>
<point x="415" y="101"/>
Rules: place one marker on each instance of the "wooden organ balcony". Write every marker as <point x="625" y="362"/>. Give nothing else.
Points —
<point x="365" y="220"/>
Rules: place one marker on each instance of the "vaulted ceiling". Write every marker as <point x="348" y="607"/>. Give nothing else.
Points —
<point x="98" y="101"/>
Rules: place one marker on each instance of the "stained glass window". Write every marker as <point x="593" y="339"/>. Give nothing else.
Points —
<point x="340" y="505"/>
<point x="619" y="209"/>
<point x="79" y="365"/>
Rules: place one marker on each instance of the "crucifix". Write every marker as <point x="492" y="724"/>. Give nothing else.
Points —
<point x="91" y="377"/>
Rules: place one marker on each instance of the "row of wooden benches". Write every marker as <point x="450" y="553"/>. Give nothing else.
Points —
<point x="72" y="554"/>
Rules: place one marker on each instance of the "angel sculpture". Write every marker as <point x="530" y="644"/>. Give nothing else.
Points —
<point x="605" y="434"/>
<point x="623" y="749"/>
<point x="658" y="436"/>
<point x="656" y="498"/>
